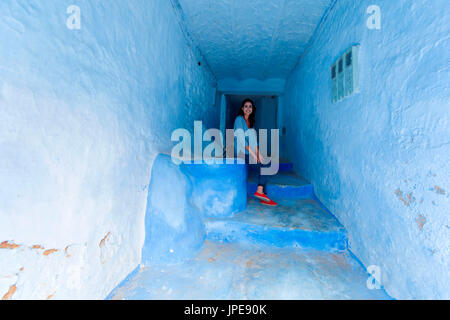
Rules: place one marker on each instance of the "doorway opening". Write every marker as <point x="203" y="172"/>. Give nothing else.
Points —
<point x="266" y="108"/>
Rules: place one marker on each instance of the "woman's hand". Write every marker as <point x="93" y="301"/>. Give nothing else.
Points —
<point x="260" y="158"/>
<point x="253" y="154"/>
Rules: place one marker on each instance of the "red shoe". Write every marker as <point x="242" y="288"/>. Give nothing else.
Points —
<point x="270" y="203"/>
<point x="262" y="196"/>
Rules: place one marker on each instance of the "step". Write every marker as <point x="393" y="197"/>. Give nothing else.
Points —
<point x="297" y="223"/>
<point x="283" y="167"/>
<point x="284" y="185"/>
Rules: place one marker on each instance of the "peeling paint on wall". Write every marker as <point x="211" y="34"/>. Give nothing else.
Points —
<point x="102" y="242"/>
<point x="10" y="293"/>
<point x="51" y="296"/>
<point x="409" y="198"/>
<point x="421" y="220"/>
<point x="7" y="245"/>
<point x="439" y="190"/>
<point x="49" y="251"/>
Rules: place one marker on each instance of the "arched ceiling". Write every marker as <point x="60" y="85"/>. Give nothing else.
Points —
<point x="258" y="39"/>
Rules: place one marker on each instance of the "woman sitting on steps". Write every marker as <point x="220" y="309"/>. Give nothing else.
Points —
<point x="245" y="121"/>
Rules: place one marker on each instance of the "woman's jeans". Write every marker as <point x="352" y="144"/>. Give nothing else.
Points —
<point x="262" y="179"/>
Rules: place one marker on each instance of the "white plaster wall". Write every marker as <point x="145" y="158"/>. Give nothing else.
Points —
<point x="83" y="113"/>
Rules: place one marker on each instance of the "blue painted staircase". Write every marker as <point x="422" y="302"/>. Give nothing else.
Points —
<point x="299" y="220"/>
<point x="297" y="250"/>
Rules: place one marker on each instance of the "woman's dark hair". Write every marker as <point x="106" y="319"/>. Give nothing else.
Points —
<point x="251" y="117"/>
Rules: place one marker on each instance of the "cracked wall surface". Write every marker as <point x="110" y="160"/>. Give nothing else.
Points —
<point x="83" y="114"/>
<point x="380" y="159"/>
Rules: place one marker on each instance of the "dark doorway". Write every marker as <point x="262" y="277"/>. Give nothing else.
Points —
<point x="266" y="112"/>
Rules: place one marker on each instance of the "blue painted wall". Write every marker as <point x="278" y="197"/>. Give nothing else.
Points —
<point x="83" y="114"/>
<point x="380" y="159"/>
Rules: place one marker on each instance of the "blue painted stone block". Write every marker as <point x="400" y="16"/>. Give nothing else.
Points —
<point x="219" y="189"/>
<point x="174" y="230"/>
<point x="179" y="197"/>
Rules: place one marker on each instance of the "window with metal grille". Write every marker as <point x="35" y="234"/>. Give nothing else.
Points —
<point x="344" y="75"/>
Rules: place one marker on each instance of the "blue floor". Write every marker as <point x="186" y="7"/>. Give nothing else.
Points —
<point x="235" y="271"/>
<point x="296" y="250"/>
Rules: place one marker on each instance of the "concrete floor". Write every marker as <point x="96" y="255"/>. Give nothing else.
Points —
<point x="236" y="271"/>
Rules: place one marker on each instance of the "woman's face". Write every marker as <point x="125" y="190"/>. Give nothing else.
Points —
<point x="247" y="108"/>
